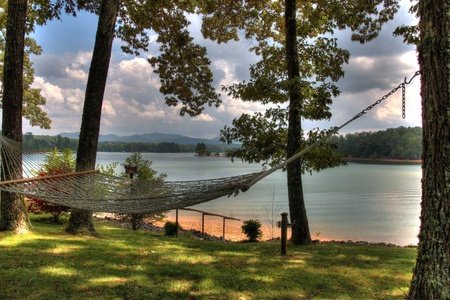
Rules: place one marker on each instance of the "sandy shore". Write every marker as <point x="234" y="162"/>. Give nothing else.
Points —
<point x="213" y="226"/>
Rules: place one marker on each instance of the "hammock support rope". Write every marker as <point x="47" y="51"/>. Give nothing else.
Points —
<point x="94" y="191"/>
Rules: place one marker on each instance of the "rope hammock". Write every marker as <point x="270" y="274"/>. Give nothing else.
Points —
<point x="94" y="191"/>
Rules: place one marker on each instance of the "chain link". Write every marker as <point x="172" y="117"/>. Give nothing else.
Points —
<point x="404" y="100"/>
<point x="335" y="130"/>
<point x="401" y="85"/>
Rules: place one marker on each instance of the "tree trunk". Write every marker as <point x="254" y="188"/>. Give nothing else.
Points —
<point x="431" y="278"/>
<point x="13" y="211"/>
<point x="299" y="219"/>
<point x="81" y="220"/>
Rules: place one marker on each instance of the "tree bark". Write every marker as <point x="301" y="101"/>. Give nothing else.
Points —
<point x="431" y="277"/>
<point x="13" y="214"/>
<point x="81" y="220"/>
<point x="297" y="210"/>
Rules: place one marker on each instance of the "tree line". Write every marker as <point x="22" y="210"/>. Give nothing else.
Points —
<point x="393" y="143"/>
<point x="46" y="143"/>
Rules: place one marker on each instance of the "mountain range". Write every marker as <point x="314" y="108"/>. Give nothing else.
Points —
<point x="148" y="138"/>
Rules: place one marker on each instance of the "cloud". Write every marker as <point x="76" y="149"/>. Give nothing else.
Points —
<point x="49" y="91"/>
<point x="133" y="103"/>
<point x="204" y="118"/>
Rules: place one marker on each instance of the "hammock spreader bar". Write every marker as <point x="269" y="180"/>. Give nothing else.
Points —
<point x="47" y="177"/>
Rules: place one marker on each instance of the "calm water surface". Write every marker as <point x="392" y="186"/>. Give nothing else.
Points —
<point x="370" y="202"/>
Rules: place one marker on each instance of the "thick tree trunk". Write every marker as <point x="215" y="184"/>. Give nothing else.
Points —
<point x="431" y="278"/>
<point x="297" y="210"/>
<point x="13" y="211"/>
<point x="81" y="220"/>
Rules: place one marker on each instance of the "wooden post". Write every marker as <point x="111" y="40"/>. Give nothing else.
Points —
<point x="203" y="224"/>
<point x="176" y="222"/>
<point x="223" y="226"/>
<point x="284" y="226"/>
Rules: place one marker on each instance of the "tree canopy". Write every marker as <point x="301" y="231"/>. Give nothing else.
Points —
<point x="32" y="99"/>
<point x="295" y="78"/>
<point x="393" y="143"/>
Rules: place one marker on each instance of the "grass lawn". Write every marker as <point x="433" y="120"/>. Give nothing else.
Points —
<point x="125" y="264"/>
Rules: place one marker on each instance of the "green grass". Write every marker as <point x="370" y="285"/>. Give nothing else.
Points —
<point x="125" y="264"/>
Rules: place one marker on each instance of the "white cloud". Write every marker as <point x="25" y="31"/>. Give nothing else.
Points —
<point x="74" y="100"/>
<point x="363" y="62"/>
<point x="50" y="91"/>
<point x="108" y="109"/>
<point x="133" y="103"/>
<point x="204" y="118"/>
<point x="76" y="74"/>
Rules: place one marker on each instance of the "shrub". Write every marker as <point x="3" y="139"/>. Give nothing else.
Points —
<point x="144" y="171"/>
<point x="252" y="228"/>
<point x="37" y="206"/>
<point x="55" y="163"/>
<point x="171" y="228"/>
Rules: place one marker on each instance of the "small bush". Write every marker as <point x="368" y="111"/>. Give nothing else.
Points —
<point x="252" y="229"/>
<point x="37" y="206"/>
<point x="142" y="171"/>
<point x="170" y="228"/>
<point x="55" y="163"/>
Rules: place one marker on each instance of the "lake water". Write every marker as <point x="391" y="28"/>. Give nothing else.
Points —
<point x="369" y="202"/>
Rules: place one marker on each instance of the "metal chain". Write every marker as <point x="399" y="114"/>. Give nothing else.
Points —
<point x="332" y="132"/>
<point x="364" y="111"/>
<point x="404" y="100"/>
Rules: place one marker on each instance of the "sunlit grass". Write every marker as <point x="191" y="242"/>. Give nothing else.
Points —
<point x="125" y="264"/>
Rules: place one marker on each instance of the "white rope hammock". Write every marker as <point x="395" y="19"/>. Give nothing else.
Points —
<point x="91" y="190"/>
<point x="99" y="192"/>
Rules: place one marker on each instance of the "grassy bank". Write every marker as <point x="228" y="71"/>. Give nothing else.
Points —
<point x="125" y="264"/>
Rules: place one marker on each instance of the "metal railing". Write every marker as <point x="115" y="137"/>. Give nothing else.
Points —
<point x="205" y="213"/>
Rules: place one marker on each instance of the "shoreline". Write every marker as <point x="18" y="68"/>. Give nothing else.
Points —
<point x="233" y="232"/>
<point x="383" y="160"/>
<point x="213" y="230"/>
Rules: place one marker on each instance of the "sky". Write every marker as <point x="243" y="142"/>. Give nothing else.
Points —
<point x="134" y="105"/>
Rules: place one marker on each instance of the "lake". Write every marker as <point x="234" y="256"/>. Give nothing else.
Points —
<point x="359" y="202"/>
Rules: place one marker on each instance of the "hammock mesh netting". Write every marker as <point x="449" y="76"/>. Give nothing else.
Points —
<point x="99" y="192"/>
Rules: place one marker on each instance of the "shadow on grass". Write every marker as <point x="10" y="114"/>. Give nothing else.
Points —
<point x="49" y="264"/>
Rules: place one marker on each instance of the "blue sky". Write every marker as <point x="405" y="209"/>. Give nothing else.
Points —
<point x="134" y="105"/>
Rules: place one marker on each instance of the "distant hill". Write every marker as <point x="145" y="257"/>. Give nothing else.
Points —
<point x="149" y="138"/>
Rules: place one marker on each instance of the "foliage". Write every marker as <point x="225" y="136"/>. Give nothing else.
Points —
<point x="252" y="228"/>
<point x="410" y="33"/>
<point x="150" y="265"/>
<point x="144" y="168"/>
<point x="202" y="150"/>
<point x="108" y="169"/>
<point x="47" y="143"/>
<point x="300" y="63"/>
<point x="182" y="66"/>
<point x="144" y="172"/>
<point x="56" y="162"/>
<point x="32" y="99"/>
<point x="33" y="142"/>
<point x="171" y="228"/>
<point x="264" y="134"/>
<point x="393" y="143"/>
